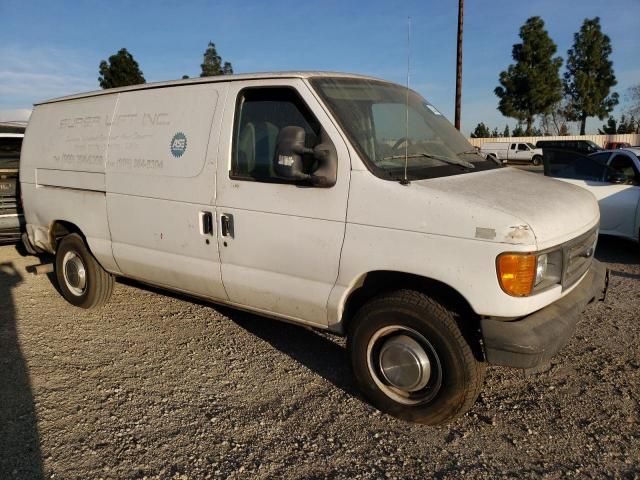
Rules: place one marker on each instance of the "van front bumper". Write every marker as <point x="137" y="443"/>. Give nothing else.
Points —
<point x="531" y="341"/>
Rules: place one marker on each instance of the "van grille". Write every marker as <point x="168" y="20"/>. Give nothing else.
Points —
<point x="578" y="255"/>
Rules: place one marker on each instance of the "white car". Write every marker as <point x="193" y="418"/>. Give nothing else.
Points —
<point x="613" y="176"/>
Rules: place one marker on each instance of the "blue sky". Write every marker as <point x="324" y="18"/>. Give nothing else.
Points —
<point x="53" y="48"/>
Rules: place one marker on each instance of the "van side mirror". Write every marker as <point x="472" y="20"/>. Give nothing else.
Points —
<point x="288" y="162"/>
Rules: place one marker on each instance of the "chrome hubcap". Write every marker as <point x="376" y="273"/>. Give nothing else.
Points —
<point x="404" y="365"/>
<point x="75" y="275"/>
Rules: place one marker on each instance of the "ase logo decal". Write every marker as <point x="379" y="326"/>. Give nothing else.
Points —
<point x="178" y="144"/>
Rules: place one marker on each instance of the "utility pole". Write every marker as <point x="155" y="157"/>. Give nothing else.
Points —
<point x="459" y="64"/>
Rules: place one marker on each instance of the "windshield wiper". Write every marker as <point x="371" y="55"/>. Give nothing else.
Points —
<point x="450" y="161"/>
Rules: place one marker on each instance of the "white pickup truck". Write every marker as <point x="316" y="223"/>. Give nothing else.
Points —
<point x="512" y="152"/>
<point x="308" y="198"/>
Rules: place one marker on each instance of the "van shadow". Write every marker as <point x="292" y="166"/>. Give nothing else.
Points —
<point x="304" y="345"/>
<point x="20" y="455"/>
<point x="309" y="347"/>
<point x="617" y="250"/>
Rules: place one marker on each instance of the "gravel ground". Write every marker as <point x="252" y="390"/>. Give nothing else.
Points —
<point x="158" y="386"/>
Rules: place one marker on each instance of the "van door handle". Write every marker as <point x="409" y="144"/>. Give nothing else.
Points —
<point x="226" y="225"/>
<point x="206" y="223"/>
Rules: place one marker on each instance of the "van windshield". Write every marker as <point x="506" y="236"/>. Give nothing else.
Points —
<point x="374" y="116"/>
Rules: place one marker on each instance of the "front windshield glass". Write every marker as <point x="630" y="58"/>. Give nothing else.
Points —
<point x="374" y="116"/>
<point x="531" y="146"/>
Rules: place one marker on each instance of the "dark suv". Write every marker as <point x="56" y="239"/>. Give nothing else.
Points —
<point x="11" y="218"/>
<point x="584" y="147"/>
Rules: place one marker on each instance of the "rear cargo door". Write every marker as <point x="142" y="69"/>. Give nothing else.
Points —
<point x="279" y="242"/>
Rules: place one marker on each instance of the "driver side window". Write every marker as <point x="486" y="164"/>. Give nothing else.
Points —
<point x="260" y="115"/>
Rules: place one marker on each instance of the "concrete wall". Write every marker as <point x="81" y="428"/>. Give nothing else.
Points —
<point x="632" y="138"/>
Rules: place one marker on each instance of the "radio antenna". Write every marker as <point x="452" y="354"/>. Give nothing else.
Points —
<point x="405" y="180"/>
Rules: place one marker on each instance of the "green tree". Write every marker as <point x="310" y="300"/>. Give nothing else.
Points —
<point x="481" y="131"/>
<point x="506" y="132"/>
<point x="627" y="126"/>
<point x="609" y="128"/>
<point x="536" y="132"/>
<point x="121" y="70"/>
<point x="212" y="64"/>
<point x="532" y="85"/>
<point x="494" y="133"/>
<point x="622" y="126"/>
<point x="518" y="131"/>
<point x="589" y="76"/>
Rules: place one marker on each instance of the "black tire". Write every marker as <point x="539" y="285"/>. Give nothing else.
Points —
<point x="418" y="316"/>
<point x="97" y="286"/>
<point x="536" y="160"/>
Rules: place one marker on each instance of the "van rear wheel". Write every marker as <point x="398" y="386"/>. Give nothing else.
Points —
<point x="81" y="279"/>
<point x="411" y="360"/>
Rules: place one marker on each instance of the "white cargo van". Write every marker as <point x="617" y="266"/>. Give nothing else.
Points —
<point x="512" y="152"/>
<point x="303" y="197"/>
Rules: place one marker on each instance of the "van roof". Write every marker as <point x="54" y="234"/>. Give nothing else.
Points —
<point x="219" y="78"/>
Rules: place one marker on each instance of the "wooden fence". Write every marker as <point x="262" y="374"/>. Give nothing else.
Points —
<point x="602" y="140"/>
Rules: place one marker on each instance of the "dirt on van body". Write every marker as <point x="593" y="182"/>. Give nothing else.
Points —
<point x="159" y="386"/>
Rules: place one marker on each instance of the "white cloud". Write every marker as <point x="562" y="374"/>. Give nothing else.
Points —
<point x="29" y="75"/>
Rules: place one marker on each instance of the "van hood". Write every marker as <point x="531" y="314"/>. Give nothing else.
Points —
<point x="504" y="205"/>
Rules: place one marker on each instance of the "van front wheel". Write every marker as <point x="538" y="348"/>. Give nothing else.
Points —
<point x="411" y="360"/>
<point x="537" y="160"/>
<point x="81" y="279"/>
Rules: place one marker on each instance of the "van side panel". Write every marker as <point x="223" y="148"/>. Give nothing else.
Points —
<point x="44" y="205"/>
<point x="160" y="179"/>
<point x="62" y="171"/>
<point x="69" y="136"/>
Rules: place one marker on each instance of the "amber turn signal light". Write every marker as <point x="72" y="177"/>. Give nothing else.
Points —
<point x="516" y="273"/>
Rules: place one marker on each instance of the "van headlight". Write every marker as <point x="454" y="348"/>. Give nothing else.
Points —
<point x="521" y="274"/>
<point x="541" y="268"/>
